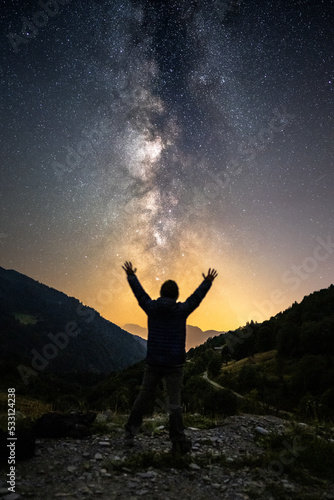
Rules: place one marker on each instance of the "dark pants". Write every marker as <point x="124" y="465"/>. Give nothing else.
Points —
<point x="152" y="376"/>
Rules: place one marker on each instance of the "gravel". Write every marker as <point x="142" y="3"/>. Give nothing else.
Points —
<point x="92" y="468"/>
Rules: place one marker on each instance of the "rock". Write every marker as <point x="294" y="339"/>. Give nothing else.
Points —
<point x="131" y="484"/>
<point x="109" y="414"/>
<point x="98" y="456"/>
<point x="11" y="496"/>
<point x="126" y="469"/>
<point x="261" y="430"/>
<point x="147" y="475"/>
<point x="85" y="490"/>
<point x="288" y="485"/>
<point x="193" y="466"/>
<point x="72" y="468"/>
<point x="64" y="495"/>
<point x="142" y="492"/>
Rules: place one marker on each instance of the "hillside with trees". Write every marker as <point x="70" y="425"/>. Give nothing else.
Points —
<point x="297" y="376"/>
<point x="44" y="330"/>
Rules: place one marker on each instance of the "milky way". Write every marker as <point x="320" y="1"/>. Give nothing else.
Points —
<point x="178" y="135"/>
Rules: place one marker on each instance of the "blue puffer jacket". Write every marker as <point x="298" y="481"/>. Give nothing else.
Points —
<point x="167" y="323"/>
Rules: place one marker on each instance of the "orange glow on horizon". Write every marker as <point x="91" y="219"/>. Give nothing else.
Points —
<point x="249" y="286"/>
<point x="232" y="301"/>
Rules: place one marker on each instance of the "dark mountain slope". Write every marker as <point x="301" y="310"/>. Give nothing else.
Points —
<point x="43" y="328"/>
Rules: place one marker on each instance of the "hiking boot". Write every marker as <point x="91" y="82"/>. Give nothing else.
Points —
<point x="181" y="447"/>
<point x="128" y="440"/>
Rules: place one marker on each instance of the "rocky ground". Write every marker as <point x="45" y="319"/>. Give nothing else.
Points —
<point x="219" y="467"/>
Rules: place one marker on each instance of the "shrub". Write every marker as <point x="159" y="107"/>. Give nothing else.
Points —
<point x="220" y="402"/>
<point x="248" y="378"/>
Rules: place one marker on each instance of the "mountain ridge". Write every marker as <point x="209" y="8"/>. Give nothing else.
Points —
<point x="49" y="330"/>
<point x="195" y="335"/>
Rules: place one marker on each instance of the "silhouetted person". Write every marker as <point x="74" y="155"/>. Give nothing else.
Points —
<point x="166" y="352"/>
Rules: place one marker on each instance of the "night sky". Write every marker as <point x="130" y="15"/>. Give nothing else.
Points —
<point x="178" y="135"/>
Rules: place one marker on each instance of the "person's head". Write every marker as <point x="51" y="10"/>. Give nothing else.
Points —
<point x="169" y="289"/>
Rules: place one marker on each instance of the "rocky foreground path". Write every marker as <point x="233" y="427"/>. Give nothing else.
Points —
<point x="99" y="467"/>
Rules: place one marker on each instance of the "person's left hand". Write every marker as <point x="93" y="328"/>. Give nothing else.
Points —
<point x="128" y="268"/>
<point x="212" y="274"/>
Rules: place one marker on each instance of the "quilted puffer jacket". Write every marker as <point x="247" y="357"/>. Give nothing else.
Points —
<point x="167" y="323"/>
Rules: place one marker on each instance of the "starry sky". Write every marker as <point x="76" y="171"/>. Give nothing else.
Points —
<point x="179" y="135"/>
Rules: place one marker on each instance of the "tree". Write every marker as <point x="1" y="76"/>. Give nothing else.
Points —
<point x="288" y="341"/>
<point x="248" y="378"/>
<point x="215" y="364"/>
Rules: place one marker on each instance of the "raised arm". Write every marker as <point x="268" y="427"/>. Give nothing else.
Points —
<point x="196" y="298"/>
<point x="144" y="300"/>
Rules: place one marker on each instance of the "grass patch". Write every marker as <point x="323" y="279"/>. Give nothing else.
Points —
<point x="113" y="425"/>
<point x="267" y="359"/>
<point x="152" y="425"/>
<point x="300" y="453"/>
<point x="199" y="421"/>
<point x="317" y="457"/>
<point x="106" y="428"/>
<point x="26" y="319"/>
<point x="30" y="407"/>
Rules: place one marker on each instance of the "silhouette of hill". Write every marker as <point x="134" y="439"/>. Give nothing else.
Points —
<point x="43" y="329"/>
<point x="307" y="327"/>
<point x="136" y="330"/>
<point x="286" y="362"/>
<point x="195" y="336"/>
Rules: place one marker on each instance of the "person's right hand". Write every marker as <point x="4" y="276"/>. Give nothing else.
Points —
<point x="128" y="268"/>
<point x="212" y="274"/>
